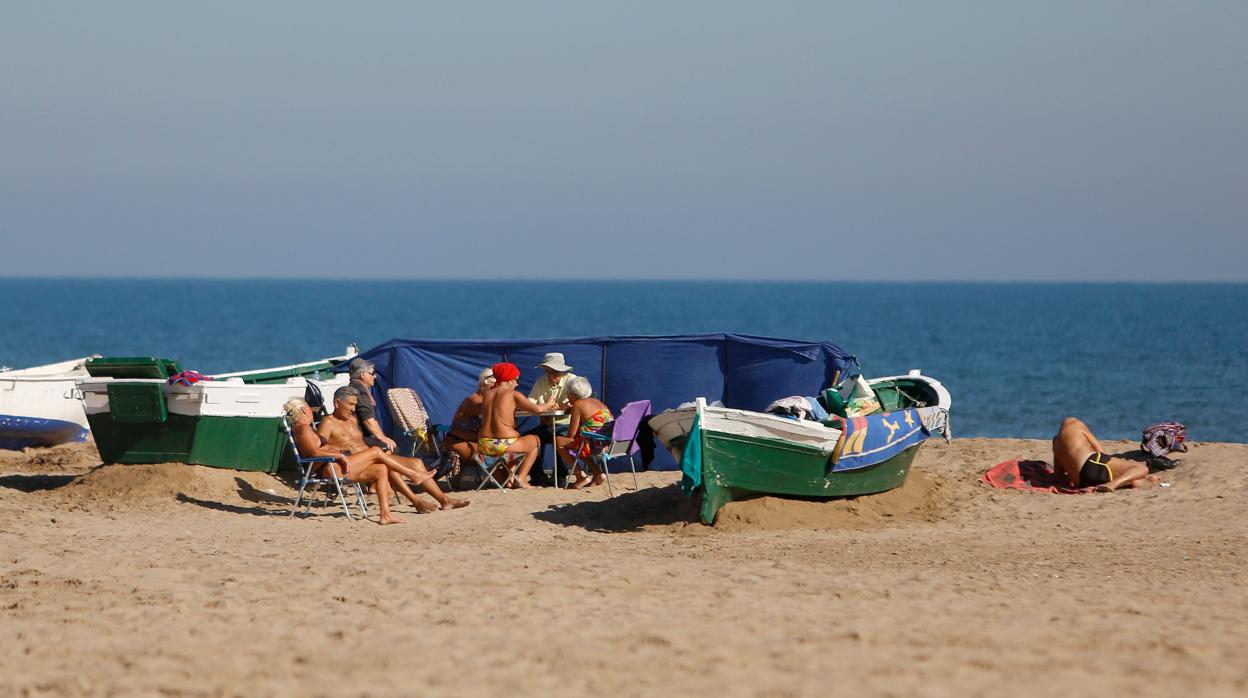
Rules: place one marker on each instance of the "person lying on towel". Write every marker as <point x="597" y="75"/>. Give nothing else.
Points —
<point x="368" y="466"/>
<point x="341" y="433"/>
<point x="1078" y="454"/>
<point x="498" y="422"/>
<point x="587" y="415"/>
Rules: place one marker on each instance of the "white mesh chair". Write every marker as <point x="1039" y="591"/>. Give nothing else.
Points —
<point x="410" y="415"/>
<point x="306" y="479"/>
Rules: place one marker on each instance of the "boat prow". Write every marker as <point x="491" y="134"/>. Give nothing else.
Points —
<point x="39" y="405"/>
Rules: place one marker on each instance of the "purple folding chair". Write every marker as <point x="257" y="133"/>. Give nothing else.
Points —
<point x="622" y="441"/>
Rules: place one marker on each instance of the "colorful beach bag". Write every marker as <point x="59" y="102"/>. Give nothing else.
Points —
<point x="1163" y="438"/>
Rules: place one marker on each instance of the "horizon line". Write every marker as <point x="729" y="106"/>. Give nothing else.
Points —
<point x="635" y="279"/>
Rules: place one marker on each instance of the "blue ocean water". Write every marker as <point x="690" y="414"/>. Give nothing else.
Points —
<point x="1016" y="357"/>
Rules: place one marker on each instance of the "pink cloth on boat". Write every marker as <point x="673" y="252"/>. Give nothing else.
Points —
<point x="1032" y="475"/>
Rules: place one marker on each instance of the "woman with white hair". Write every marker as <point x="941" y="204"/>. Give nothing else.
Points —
<point x="588" y="415"/>
<point x="461" y="440"/>
<point x="373" y="465"/>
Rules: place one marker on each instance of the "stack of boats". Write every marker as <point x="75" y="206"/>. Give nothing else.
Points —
<point x="138" y="411"/>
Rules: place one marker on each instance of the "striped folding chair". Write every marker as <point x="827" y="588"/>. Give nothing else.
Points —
<point x="410" y="415"/>
<point x="306" y="479"/>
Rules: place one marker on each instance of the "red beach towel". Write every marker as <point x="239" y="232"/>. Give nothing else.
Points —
<point x="1033" y="475"/>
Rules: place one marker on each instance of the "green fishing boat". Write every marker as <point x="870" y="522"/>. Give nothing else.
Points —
<point x="729" y="454"/>
<point x="137" y="415"/>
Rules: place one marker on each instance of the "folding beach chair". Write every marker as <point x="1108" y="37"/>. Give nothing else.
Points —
<point x="410" y="415"/>
<point x="488" y="464"/>
<point x="617" y="439"/>
<point x="306" y="478"/>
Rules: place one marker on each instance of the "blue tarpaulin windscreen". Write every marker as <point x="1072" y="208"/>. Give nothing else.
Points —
<point x="743" y="371"/>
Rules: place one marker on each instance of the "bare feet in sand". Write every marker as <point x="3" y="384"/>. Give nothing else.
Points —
<point x="391" y="519"/>
<point x="580" y="482"/>
<point x="452" y="503"/>
<point x="423" y="507"/>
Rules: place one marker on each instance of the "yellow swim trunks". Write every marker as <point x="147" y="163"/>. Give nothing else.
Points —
<point x="495" y="447"/>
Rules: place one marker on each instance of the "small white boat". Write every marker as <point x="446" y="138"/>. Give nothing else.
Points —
<point x="39" y="405"/>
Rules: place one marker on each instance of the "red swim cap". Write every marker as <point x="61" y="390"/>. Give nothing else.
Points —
<point x="505" y="372"/>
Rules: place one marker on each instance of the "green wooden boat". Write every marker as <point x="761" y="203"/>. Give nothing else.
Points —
<point x="234" y="421"/>
<point x="743" y="453"/>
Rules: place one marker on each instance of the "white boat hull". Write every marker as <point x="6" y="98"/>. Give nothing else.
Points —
<point x="216" y="398"/>
<point x="39" y="405"/>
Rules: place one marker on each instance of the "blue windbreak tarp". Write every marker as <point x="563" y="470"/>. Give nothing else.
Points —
<point x="743" y="371"/>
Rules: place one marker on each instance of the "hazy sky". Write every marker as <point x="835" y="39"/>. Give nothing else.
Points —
<point x="779" y="140"/>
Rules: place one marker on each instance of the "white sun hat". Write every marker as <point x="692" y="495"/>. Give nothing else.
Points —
<point x="554" y="361"/>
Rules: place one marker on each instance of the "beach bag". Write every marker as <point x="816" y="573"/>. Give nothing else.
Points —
<point x="312" y="396"/>
<point x="1164" y="438"/>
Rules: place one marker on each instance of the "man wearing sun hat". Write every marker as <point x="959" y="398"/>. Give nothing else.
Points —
<point x="551" y="386"/>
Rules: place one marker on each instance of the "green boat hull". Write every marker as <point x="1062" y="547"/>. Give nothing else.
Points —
<point x="232" y="422"/>
<point x="735" y="466"/>
<point x="237" y="443"/>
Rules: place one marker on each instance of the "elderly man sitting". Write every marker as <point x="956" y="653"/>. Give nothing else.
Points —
<point x="551" y="387"/>
<point x="498" y="436"/>
<point x="363" y="378"/>
<point x="341" y="433"/>
<point x="371" y="465"/>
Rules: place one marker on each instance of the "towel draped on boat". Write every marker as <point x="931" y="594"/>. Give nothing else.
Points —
<point x="188" y="378"/>
<point x="1030" y="475"/>
<point x="876" y="438"/>
<point x="691" y="460"/>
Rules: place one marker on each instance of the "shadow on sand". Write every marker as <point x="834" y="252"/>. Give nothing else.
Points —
<point x="1155" y="465"/>
<point x="280" y="505"/>
<point x="630" y="511"/>
<point x="35" y="483"/>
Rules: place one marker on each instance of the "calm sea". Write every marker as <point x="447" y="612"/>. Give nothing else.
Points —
<point x="1016" y="357"/>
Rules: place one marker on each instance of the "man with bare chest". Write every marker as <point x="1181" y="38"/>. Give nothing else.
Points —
<point x="1080" y="457"/>
<point x="498" y="421"/>
<point x="341" y="431"/>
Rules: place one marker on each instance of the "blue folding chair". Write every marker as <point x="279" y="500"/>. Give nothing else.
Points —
<point x="488" y="464"/>
<point x="306" y="478"/>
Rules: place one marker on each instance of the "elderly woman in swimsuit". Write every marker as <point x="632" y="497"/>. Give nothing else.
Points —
<point x="373" y="465"/>
<point x="466" y="424"/>
<point x="588" y="415"/>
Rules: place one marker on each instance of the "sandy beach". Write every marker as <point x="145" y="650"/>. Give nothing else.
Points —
<point x="184" y="580"/>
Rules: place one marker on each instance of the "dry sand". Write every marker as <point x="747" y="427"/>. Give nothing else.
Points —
<point x="181" y="580"/>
